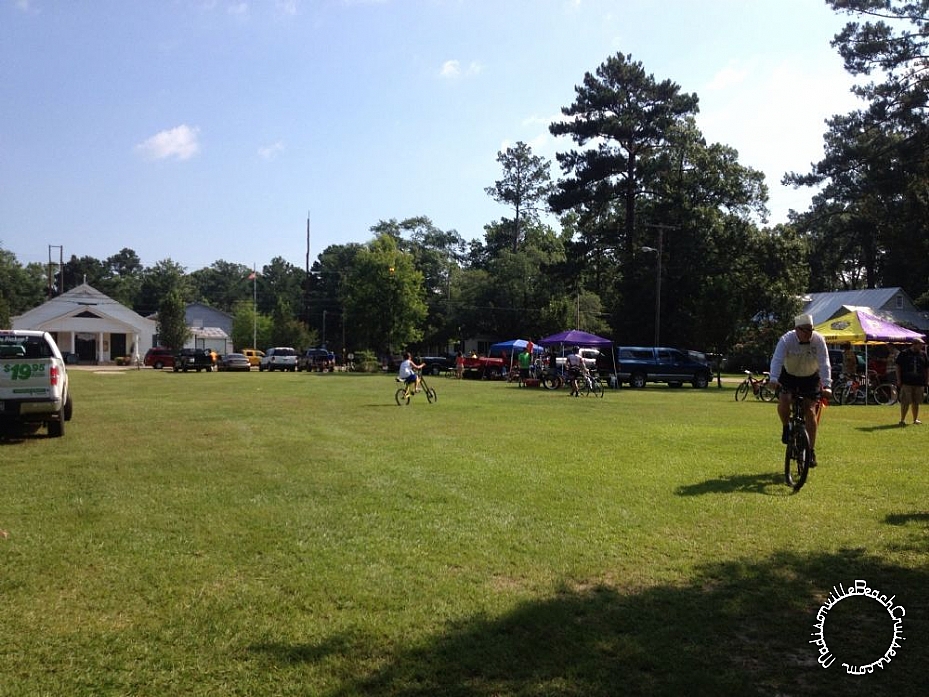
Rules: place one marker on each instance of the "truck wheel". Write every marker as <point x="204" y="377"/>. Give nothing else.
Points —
<point x="637" y="380"/>
<point x="69" y="409"/>
<point x="701" y="381"/>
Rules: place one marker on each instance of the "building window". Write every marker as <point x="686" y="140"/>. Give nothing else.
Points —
<point x="900" y="302"/>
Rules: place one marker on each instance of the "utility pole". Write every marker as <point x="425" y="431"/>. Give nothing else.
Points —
<point x="306" y="292"/>
<point x="61" y="272"/>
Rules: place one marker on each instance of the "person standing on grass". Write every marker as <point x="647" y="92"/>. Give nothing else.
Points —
<point x="575" y="367"/>
<point x="801" y="364"/>
<point x="849" y="362"/>
<point x="525" y="362"/>
<point x="912" y="376"/>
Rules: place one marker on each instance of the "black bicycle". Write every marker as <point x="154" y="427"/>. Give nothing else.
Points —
<point x="589" y="384"/>
<point x="799" y="456"/>
<point x="405" y="393"/>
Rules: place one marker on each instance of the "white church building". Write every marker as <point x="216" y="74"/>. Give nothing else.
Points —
<point x="91" y="327"/>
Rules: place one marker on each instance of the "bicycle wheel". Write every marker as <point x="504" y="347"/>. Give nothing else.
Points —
<point x="596" y="388"/>
<point x="842" y="395"/>
<point x="766" y="393"/>
<point x="431" y="395"/>
<point x="798" y="457"/>
<point x="885" y="394"/>
<point x="741" y="392"/>
<point x="402" y="397"/>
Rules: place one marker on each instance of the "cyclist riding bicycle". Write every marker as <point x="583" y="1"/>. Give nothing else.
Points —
<point x="801" y="364"/>
<point x="408" y="370"/>
<point x="575" y="365"/>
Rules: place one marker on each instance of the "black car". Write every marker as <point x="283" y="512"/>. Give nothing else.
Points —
<point x="193" y="359"/>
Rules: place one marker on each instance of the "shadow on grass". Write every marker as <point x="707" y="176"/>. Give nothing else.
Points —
<point x="904" y="518"/>
<point x="12" y="433"/>
<point x="739" y="628"/>
<point x="895" y="426"/>
<point x="768" y="483"/>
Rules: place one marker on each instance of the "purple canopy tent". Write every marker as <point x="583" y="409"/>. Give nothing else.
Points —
<point x="575" y="337"/>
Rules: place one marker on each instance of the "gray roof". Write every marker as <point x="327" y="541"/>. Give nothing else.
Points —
<point x="892" y="304"/>
<point x="65" y="312"/>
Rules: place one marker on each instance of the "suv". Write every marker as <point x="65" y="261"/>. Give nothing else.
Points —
<point x="159" y="357"/>
<point x="279" y="358"/>
<point x="320" y="359"/>
<point x="641" y="364"/>
<point x="194" y="359"/>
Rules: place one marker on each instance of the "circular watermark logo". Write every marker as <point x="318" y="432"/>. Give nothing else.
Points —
<point x="860" y="589"/>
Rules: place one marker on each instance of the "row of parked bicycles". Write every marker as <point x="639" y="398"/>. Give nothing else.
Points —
<point x="857" y="389"/>
<point x="587" y="384"/>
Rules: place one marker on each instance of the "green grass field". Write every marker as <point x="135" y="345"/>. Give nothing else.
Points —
<point x="300" y="534"/>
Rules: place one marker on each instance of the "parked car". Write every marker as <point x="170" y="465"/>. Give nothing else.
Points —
<point x="234" y="361"/>
<point x="159" y="357"/>
<point x="321" y="359"/>
<point x="254" y="356"/>
<point x="194" y="359"/>
<point x="638" y="365"/>
<point x="436" y="365"/>
<point x="279" y="358"/>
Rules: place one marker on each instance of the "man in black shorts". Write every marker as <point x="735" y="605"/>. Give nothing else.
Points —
<point x="912" y="373"/>
<point x="801" y="364"/>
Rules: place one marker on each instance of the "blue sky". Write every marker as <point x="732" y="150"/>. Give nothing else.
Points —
<point x="200" y="130"/>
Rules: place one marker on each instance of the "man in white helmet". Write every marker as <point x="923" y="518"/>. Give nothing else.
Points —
<point x="801" y="364"/>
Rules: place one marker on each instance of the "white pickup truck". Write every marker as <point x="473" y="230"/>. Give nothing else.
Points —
<point x="33" y="381"/>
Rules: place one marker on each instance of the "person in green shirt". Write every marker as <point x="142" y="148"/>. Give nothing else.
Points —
<point x="525" y="362"/>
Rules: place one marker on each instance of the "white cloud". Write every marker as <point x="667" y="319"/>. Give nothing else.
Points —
<point x="269" y="152"/>
<point x="452" y="69"/>
<point x="180" y="142"/>
<point x="729" y="76"/>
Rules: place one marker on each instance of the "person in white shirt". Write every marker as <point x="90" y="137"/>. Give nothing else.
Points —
<point x="408" y="370"/>
<point x="575" y="366"/>
<point x="801" y="364"/>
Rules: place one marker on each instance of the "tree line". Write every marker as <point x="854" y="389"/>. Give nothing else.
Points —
<point x="640" y="191"/>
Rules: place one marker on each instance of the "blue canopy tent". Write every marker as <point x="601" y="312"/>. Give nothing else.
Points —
<point x="575" y="337"/>
<point x="513" y="347"/>
<point x="508" y="347"/>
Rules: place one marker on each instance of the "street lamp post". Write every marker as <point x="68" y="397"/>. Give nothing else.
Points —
<point x="659" y="253"/>
<point x="657" y="284"/>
